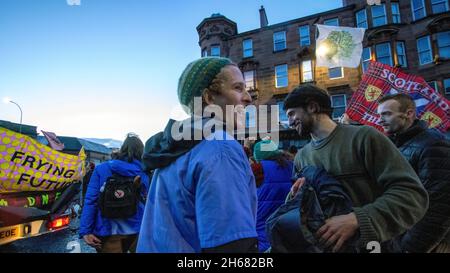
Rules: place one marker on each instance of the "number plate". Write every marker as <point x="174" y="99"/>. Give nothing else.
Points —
<point x="9" y="234"/>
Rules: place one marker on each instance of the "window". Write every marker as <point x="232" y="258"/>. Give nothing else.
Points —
<point x="418" y="9"/>
<point x="249" y="78"/>
<point x="433" y="84"/>
<point x="443" y="42"/>
<point x="401" y="54"/>
<point x="366" y="57"/>
<point x="384" y="53"/>
<point x="338" y="103"/>
<point x="307" y="74"/>
<point x="331" y="22"/>
<point x="439" y="6"/>
<point x="279" y="40"/>
<point x="215" y="50"/>
<point x="281" y="75"/>
<point x="361" y="18"/>
<point x="378" y="15"/>
<point x="204" y="52"/>
<point x="447" y="86"/>
<point x="395" y="13"/>
<point x="283" y="119"/>
<point x="335" y="72"/>
<point x="247" y="48"/>
<point x="424" y="50"/>
<point x="303" y="32"/>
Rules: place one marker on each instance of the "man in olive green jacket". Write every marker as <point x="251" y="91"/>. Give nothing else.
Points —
<point x="387" y="195"/>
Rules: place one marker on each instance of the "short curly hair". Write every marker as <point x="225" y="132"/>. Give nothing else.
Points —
<point x="305" y="94"/>
<point x="406" y="102"/>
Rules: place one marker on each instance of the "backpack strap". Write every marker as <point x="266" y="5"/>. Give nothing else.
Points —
<point x="140" y="197"/>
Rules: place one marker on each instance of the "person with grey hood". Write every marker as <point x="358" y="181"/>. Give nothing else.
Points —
<point x="202" y="196"/>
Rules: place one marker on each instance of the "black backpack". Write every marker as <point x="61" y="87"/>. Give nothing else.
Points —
<point x="120" y="197"/>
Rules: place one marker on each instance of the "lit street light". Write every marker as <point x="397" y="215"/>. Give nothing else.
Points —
<point x="8" y="100"/>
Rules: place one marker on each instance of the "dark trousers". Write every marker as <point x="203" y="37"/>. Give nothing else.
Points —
<point x="118" y="244"/>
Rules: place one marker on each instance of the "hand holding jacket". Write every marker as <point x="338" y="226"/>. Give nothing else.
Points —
<point x="337" y="230"/>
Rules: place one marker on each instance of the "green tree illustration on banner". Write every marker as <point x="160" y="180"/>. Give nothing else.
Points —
<point x="340" y="43"/>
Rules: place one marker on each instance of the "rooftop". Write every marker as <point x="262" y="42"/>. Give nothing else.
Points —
<point x="75" y="144"/>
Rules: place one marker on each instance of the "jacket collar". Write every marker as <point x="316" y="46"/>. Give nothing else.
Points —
<point x="416" y="128"/>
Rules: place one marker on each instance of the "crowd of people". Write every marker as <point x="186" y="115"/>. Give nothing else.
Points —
<point x="350" y="185"/>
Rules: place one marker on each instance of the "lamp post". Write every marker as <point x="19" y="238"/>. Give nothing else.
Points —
<point x="8" y="100"/>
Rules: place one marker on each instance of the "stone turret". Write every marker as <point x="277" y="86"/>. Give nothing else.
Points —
<point x="214" y="34"/>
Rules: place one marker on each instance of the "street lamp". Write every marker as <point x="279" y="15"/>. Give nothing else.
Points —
<point x="8" y="100"/>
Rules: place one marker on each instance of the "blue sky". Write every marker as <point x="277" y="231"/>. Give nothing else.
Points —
<point x="108" y="67"/>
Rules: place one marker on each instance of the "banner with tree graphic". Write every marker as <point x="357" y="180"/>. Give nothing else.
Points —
<point x="339" y="46"/>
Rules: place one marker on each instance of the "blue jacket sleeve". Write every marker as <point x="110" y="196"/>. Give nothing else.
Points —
<point x="90" y="207"/>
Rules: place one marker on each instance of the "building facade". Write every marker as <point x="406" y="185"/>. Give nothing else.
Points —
<point x="411" y="34"/>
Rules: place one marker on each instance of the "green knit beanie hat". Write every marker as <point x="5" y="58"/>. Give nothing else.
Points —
<point x="269" y="150"/>
<point x="197" y="76"/>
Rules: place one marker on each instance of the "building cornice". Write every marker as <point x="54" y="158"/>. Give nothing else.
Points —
<point x="296" y="21"/>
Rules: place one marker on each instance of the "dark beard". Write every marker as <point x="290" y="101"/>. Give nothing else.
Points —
<point x="306" y="129"/>
<point x="306" y="126"/>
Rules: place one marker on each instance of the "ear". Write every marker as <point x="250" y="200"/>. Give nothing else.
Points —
<point x="312" y="107"/>
<point x="208" y="97"/>
<point x="410" y="113"/>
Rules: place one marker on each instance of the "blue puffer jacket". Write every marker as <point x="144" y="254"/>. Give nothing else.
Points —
<point x="271" y="195"/>
<point x="292" y="227"/>
<point x="91" y="220"/>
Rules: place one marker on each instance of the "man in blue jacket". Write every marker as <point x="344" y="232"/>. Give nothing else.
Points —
<point x="114" y="235"/>
<point x="202" y="196"/>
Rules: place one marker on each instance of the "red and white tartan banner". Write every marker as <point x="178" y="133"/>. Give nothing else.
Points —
<point x="381" y="79"/>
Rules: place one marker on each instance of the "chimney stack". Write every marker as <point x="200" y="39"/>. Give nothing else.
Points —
<point x="263" y="17"/>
